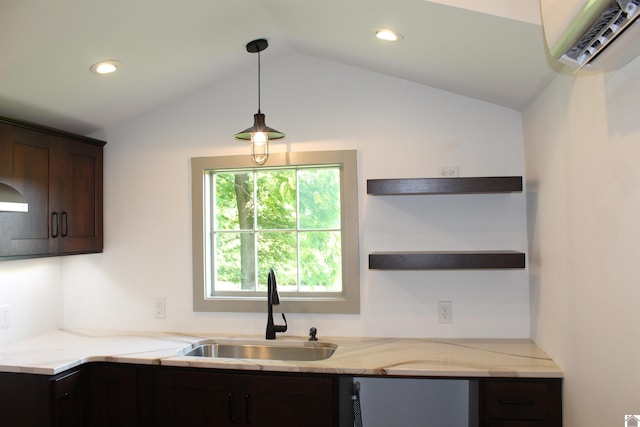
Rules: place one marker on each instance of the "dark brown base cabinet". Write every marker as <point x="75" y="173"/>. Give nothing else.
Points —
<point x="60" y="175"/>
<point x="109" y="395"/>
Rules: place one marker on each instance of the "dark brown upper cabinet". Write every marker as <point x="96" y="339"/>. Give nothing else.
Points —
<point x="60" y="175"/>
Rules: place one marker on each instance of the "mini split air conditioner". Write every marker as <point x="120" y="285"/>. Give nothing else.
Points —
<point x="592" y="34"/>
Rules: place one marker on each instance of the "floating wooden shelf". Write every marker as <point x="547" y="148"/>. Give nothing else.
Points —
<point x="465" y="185"/>
<point x="453" y="260"/>
<point x="450" y="260"/>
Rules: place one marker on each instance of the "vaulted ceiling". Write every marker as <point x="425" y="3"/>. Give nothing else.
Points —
<point x="491" y="50"/>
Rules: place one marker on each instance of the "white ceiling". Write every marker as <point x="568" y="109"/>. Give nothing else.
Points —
<point x="491" y="50"/>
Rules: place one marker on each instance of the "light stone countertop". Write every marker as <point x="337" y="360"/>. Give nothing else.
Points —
<point x="60" y="350"/>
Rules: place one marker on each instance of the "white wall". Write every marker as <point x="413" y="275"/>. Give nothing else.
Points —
<point x="582" y="139"/>
<point x="33" y="291"/>
<point x="400" y="129"/>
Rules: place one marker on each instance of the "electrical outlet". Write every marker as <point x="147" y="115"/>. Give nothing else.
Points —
<point x="4" y="316"/>
<point x="159" y="308"/>
<point x="448" y="171"/>
<point x="445" y="312"/>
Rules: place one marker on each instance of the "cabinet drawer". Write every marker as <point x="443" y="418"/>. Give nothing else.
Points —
<point x="515" y="400"/>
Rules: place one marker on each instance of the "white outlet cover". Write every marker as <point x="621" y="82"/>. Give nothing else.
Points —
<point x="445" y="312"/>
<point x="448" y="171"/>
<point x="159" y="308"/>
<point x="4" y="316"/>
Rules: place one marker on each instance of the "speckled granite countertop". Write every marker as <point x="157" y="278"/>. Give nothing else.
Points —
<point x="60" y="350"/>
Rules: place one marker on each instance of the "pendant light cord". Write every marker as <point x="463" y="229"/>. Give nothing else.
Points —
<point x="259" y="82"/>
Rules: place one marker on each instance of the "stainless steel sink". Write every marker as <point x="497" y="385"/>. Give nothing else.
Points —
<point x="300" y="350"/>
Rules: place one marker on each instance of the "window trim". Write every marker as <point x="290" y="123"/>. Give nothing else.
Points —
<point x="349" y="302"/>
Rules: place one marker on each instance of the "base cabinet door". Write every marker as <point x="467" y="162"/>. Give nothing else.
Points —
<point x="200" y="398"/>
<point x="276" y="401"/>
<point x="197" y="398"/>
<point x="113" y="396"/>
<point x="68" y="400"/>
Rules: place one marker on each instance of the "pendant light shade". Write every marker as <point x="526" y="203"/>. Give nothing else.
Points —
<point x="259" y="134"/>
<point x="11" y="200"/>
<point x="259" y="126"/>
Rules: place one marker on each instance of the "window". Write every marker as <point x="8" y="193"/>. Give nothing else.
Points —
<point x="297" y="214"/>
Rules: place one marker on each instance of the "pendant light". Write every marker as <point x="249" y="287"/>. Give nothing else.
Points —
<point x="259" y="134"/>
<point x="11" y="200"/>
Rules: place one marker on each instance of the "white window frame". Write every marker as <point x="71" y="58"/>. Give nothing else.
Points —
<point x="347" y="302"/>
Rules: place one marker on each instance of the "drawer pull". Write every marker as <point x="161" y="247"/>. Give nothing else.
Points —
<point x="232" y="417"/>
<point x="528" y="402"/>
<point x="247" y="411"/>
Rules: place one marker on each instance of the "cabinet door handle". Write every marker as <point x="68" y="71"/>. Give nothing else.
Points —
<point x="65" y="396"/>
<point x="64" y="223"/>
<point x="55" y="224"/>
<point x="246" y="408"/>
<point x="513" y="402"/>
<point x="232" y="418"/>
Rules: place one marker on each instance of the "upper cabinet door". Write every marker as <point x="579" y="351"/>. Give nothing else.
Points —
<point x="80" y="197"/>
<point x="25" y="162"/>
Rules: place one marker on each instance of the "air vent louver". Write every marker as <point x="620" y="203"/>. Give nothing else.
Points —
<point x="592" y="34"/>
<point x="612" y="22"/>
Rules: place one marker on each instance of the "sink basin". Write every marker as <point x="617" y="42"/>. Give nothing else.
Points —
<point x="287" y="350"/>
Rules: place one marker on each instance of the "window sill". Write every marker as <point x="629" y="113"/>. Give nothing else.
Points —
<point x="288" y="305"/>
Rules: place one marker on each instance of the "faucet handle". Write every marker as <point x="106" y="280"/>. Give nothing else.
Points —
<point x="281" y="328"/>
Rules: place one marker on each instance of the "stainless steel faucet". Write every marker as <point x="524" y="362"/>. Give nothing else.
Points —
<point x="273" y="299"/>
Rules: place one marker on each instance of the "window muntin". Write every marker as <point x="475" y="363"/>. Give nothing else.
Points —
<point x="313" y="235"/>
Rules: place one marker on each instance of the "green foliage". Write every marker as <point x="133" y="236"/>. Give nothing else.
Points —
<point x="226" y="203"/>
<point x="290" y="223"/>
<point x="319" y="198"/>
<point x="277" y="199"/>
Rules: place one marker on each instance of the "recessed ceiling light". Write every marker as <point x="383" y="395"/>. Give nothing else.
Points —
<point x="388" y="35"/>
<point x="105" y="67"/>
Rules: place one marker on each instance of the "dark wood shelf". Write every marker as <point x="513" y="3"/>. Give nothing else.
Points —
<point x="452" y="260"/>
<point x="465" y="185"/>
<point x="446" y="260"/>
